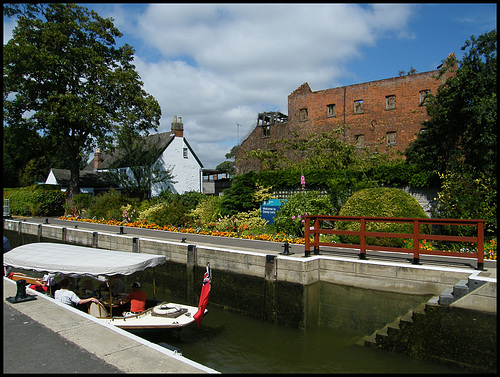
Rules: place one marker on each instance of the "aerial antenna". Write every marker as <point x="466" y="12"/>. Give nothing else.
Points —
<point x="238" y="132"/>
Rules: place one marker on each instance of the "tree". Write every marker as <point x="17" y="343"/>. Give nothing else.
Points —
<point x="461" y="133"/>
<point x="139" y="154"/>
<point x="65" y="79"/>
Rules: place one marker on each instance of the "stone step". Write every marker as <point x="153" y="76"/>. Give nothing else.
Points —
<point x="446" y="297"/>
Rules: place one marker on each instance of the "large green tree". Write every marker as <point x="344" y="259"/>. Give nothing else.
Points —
<point x="65" y="78"/>
<point x="461" y="134"/>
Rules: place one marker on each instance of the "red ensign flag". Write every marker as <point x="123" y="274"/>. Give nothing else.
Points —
<point x="205" y="293"/>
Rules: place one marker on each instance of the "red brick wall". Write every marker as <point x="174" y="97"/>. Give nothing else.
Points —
<point x="405" y="119"/>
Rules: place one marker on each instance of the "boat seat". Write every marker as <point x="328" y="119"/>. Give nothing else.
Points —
<point x="98" y="310"/>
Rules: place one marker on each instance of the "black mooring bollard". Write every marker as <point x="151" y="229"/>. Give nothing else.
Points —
<point x="46" y="221"/>
<point x="184" y="240"/>
<point x="21" y="295"/>
<point x="286" y="250"/>
<point x="121" y="230"/>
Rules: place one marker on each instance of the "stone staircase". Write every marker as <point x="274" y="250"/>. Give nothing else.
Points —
<point x="394" y="332"/>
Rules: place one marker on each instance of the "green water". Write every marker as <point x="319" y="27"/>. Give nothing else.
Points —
<point x="231" y="343"/>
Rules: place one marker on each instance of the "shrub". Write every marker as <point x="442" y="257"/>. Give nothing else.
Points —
<point x="207" y="211"/>
<point x="107" y="206"/>
<point x="464" y="196"/>
<point x="290" y="217"/>
<point x="380" y="202"/>
<point x="173" y="213"/>
<point x="36" y="201"/>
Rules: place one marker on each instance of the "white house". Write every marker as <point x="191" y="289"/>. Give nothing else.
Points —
<point x="174" y="154"/>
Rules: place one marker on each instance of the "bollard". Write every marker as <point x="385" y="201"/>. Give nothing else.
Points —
<point x="184" y="240"/>
<point x="286" y="250"/>
<point x="121" y="230"/>
<point x="21" y="295"/>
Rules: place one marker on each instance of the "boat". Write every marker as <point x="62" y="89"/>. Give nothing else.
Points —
<point x="101" y="264"/>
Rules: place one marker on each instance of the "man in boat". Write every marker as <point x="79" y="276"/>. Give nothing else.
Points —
<point x="68" y="297"/>
<point x="115" y="285"/>
<point x="137" y="300"/>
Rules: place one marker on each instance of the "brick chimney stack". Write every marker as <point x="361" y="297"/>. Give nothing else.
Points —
<point x="97" y="158"/>
<point x="177" y="127"/>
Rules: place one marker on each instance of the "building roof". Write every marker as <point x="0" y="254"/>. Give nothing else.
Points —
<point x="159" y="141"/>
<point x="87" y="178"/>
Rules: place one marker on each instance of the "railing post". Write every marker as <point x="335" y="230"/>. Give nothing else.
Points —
<point x="362" y="243"/>
<point x="480" y="245"/>
<point x="416" y="243"/>
<point x="316" y="237"/>
<point x="307" y="232"/>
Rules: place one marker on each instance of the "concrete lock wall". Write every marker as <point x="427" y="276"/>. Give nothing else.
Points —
<point x="358" y="295"/>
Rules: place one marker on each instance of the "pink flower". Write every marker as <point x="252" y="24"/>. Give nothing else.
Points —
<point x="293" y="217"/>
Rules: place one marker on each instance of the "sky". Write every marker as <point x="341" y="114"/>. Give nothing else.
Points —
<point x="218" y="65"/>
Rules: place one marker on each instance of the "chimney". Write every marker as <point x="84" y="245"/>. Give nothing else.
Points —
<point x="97" y="158"/>
<point x="177" y="127"/>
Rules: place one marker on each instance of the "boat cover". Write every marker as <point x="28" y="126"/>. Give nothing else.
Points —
<point x="73" y="261"/>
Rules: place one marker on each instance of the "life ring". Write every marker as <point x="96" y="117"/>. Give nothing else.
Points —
<point x="166" y="309"/>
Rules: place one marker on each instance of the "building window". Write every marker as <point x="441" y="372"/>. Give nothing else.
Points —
<point x="266" y="131"/>
<point x="390" y="102"/>
<point x="422" y="99"/>
<point x="360" y="141"/>
<point x="358" y="107"/>
<point x="391" y="138"/>
<point x="185" y="152"/>
<point x="303" y="114"/>
<point x="330" y="110"/>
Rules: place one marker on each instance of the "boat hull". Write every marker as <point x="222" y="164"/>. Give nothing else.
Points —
<point x="154" y="318"/>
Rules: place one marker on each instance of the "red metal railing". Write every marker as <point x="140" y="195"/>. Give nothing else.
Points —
<point x="313" y="230"/>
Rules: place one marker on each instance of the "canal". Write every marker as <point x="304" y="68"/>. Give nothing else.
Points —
<point x="232" y="343"/>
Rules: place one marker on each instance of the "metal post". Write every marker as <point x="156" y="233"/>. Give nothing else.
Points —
<point x="480" y="245"/>
<point x="362" y="241"/>
<point x="307" y="234"/>
<point x="416" y="243"/>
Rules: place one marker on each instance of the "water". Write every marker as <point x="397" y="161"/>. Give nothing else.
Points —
<point x="231" y="343"/>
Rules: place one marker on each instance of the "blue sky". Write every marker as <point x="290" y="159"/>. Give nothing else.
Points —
<point x="219" y="65"/>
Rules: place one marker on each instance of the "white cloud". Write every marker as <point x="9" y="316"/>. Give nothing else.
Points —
<point x="223" y="64"/>
<point x="219" y="65"/>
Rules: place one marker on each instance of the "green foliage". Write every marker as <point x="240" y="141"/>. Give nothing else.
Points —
<point x="243" y="222"/>
<point x="36" y="201"/>
<point x="79" y="205"/>
<point x="64" y="77"/>
<point x="172" y="213"/>
<point x="240" y="196"/>
<point x="380" y="202"/>
<point x="461" y="133"/>
<point x="206" y="212"/>
<point x="463" y="196"/>
<point x="107" y="206"/>
<point x="290" y="217"/>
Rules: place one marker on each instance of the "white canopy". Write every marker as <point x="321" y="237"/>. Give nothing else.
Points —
<point x="72" y="260"/>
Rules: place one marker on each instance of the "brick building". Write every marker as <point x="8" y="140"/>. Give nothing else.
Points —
<point x="377" y="113"/>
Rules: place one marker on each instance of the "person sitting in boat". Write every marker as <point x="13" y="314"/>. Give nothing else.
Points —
<point x="137" y="300"/>
<point x="68" y="297"/>
<point x="47" y="283"/>
<point x="115" y="284"/>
